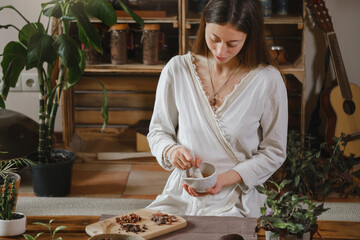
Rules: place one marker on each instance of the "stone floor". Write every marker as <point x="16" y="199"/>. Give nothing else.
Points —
<point x="110" y="180"/>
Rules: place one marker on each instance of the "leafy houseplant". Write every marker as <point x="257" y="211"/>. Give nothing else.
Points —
<point x="314" y="171"/>
<point x="344" y="172"/>
<point x="302" y="164"/>
<point x="57" y="58"/>
<point x="9" y="191"/>
<point x="287" y="213"/>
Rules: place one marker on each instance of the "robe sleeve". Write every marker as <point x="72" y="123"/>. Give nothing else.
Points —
<point x="162" y="129"/>
<point x="273" y="131"/>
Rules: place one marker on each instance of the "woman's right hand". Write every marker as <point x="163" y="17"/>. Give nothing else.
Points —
<point x="182" y="158"/>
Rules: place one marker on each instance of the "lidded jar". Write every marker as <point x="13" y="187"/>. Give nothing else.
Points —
<point x="150" y="40"/>
<point x="118" y="43"/>
<point x="266" y="6"/>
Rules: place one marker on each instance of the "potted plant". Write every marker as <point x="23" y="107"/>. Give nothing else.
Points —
<point x="302" y="165"/>
<point x="60" y="63"/>
<point x="287" y="215"/>
<point x="11" y="223"/>
<point x="316" y="172"/>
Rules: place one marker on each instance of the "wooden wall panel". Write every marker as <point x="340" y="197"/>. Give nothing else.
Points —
<point x="115" y="100"/>
<point x="132" y="83"/>
<point x="91" y="117"/>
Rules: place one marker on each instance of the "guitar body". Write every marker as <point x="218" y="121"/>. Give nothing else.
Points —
<point x="347" y="123"/>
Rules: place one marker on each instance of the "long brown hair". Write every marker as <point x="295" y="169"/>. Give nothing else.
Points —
<point x="245" y="16"/>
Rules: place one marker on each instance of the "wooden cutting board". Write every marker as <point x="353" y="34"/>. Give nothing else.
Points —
<point x="153" y="229"/>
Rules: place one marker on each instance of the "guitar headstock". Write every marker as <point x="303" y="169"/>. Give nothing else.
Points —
<point x="321" y="14"/>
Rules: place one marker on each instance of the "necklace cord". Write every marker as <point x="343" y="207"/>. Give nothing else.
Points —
<point x="213" y="102"/>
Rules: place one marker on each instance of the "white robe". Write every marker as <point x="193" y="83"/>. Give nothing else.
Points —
<point x="247" y="133"/>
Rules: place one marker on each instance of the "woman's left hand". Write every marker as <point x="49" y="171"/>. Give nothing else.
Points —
<point x="212" y="191"/>
<point x="224" y="179"/>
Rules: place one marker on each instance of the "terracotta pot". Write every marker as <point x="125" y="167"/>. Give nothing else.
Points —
<point x="13" y="227"/>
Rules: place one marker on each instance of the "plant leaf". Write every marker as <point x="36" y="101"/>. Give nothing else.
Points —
<point x="13" y="62"/>
<point x="102" y="10"/>
<point x="40" y="223"/>
<point x="261" y="189"/>
<point x="58" y="229"/>
<point x="53" y="11"/>
<point x="71" y="58"/>
<point x="2" y="103"/>
<point x="297" y="180"/>
<point x="67" y="49"/>
<point x="75" y="72"/>
<point x="275" y="221"/>
<point x="88" y="34"/>
<point x="73" y="76"/>
<point x="104" y="107"/>
<point x="38" y="45"/>
<point x="28" y="237"/>
<point x="29" y="30"/>
<point x="283" y="183"/>
<point x="131" y="13"/>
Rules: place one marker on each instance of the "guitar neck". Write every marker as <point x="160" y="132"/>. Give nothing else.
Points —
<point x="339" y="66"/>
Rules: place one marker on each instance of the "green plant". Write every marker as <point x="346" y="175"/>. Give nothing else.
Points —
<point x="344" y="172"/>
<point x="48" y="226"/>
<point x="316" y="172"/>
<point x="301" y="164"/>
<point x="10" y="165"/>
<point x="7" y="200"/>
<point x="57" y="58"/>
<point x="287" y="212"/>
<point x="8" y="190"/>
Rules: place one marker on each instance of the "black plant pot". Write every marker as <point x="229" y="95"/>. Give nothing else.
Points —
<point x="53" y="179"/>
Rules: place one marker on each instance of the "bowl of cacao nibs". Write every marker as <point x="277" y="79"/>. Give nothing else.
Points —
<point x="207" y="180"/>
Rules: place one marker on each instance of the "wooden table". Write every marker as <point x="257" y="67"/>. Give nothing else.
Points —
<point x="76" y="228"/>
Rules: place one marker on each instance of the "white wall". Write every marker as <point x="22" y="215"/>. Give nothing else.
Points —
<point x="345" y="16"/>
<point x="24" y="102"/>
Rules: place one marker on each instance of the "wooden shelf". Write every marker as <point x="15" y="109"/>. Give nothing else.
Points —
<point x="284" y="19"/>
<point x="126" y="68"/>
<point x="275" y="19"/>
<point x="168" y="19"/>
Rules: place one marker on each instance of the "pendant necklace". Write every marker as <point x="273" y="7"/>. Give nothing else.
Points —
<point x="213" y="101"/>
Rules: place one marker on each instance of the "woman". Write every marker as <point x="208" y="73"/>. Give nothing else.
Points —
<point x="225" y="103"/>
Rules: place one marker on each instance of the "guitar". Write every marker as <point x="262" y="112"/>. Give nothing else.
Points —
<point x="341" y="103"/>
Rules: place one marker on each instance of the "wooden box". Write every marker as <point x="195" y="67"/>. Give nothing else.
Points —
<point x="142" y="130"/>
